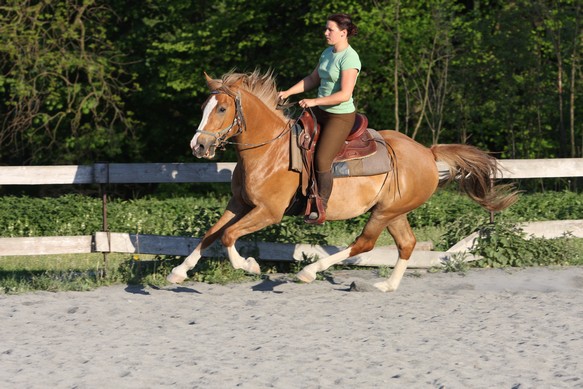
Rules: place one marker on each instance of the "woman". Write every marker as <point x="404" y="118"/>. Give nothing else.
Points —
<point x="335" y="76"/>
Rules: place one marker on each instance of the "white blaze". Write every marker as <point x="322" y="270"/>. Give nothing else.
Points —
<point x="211" y="104"/>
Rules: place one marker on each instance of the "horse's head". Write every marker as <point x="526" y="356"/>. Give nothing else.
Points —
<point x="222" y="118"/>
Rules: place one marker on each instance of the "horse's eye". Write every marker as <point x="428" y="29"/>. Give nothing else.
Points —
<point x="222" y="109"/>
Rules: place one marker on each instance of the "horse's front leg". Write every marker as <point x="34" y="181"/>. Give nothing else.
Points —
<point x="258" y="218"/>
<point x="179" y="273"/>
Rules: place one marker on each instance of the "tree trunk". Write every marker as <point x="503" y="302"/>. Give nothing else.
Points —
<point x="396" y="72"/>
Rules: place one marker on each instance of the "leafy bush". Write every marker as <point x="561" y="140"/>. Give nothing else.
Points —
<point x="67" y="215"/>
<point x="546" y="206"/>
<point x="81" y="215"/>
<point x="459" y="229"/>
<point x="503" y="244"/>
<point x="443" y="208"/>
<point x="500" y="244"/>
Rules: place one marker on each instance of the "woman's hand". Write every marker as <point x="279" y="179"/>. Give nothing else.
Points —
<point x="307" y="103"/>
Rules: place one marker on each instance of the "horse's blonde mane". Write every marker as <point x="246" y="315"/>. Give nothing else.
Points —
<point x="261" y="85"/>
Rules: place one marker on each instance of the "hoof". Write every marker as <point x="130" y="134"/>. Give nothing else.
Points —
<point x="384" y="287"/>
<point x="306" y="276"/>
<point x="176" y="277"/>
<point x="253" y="266"/>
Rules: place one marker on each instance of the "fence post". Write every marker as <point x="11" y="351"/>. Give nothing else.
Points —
<point x="101" y="177"/>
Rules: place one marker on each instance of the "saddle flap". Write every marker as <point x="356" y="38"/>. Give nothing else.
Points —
<point x="309" y="134"/>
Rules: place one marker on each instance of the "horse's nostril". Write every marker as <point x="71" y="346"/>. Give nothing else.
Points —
<point x="197" y="150"/>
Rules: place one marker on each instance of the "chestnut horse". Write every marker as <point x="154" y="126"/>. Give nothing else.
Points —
<point x="242" y="111"/>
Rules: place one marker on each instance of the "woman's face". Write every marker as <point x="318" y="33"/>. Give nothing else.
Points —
<point x="332" y="33"/>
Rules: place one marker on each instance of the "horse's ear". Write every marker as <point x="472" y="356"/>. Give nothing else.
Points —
<point x="212" y="84"/>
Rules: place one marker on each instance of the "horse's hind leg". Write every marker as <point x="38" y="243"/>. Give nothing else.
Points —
<point x="401" y="232"/>
<point x="363" y="243"/>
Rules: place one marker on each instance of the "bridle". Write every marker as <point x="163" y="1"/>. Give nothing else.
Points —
<point x="239" y="121"/>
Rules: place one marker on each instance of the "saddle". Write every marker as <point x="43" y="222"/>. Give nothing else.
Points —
<point x="359" y="144"/>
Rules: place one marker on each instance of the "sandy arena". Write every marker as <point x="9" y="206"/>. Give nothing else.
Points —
<point x="519" y="328"/>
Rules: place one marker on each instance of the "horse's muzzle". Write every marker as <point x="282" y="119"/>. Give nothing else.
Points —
<point x="201" y="150"/>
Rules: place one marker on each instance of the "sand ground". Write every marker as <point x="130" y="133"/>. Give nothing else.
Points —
<point x="519" y="328"/>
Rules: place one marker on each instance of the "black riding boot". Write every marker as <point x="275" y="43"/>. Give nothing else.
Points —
<point x="325" y="182"/>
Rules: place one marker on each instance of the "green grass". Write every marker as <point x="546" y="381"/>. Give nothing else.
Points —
<point x="81" y="272"/>
<point x="55" y="272"/>
<point x="444" y="219"/>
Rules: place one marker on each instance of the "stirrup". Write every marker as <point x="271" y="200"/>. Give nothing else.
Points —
<point x="314" y="218"/>
<point x="318" y="215"/>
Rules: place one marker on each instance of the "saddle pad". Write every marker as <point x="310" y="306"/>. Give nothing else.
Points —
<point x="378" y="163"/>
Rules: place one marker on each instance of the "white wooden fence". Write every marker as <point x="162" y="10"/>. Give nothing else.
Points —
<point x="136" y="173"/>
<point x="116" y="173"/>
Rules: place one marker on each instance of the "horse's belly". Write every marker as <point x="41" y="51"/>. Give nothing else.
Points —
<point x="353" y="196"/>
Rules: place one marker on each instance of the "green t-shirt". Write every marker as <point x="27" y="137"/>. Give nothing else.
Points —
<point x="330" y="70"/>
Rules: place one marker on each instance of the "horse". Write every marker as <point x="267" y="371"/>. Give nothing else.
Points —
<point x="242" y="111"/>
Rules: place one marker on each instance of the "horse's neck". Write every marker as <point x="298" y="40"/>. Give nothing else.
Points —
<point x="265" y="138"/>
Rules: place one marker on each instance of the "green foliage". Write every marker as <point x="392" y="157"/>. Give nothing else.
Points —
<point x="86" y="81"/>
<point x="61" y="273"/>
<point x="444" y="208"/>
<point x="503" y="244"/>
<point x="67" y="215"/>
<point x="509" y="50"/>
<point x="459" y="229"/>
<point x="500" y="244"/>
<point x="21" y="282"/>
<point x="384" y="271"/>
<point x="546" y="206"/>
<point x="62" y="84"/>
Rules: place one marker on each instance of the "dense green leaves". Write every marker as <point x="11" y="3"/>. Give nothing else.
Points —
<point x="82" y="81"/>
<point x="501" y="243"/>
<point x="62" y="84"/>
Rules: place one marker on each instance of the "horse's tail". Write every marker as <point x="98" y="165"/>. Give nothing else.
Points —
<point x="475" y="171"/>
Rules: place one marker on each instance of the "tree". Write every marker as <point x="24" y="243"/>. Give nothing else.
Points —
<point x="63" y="84"/>
<point x="409" y="49"/>
<point x="172" y="42"/>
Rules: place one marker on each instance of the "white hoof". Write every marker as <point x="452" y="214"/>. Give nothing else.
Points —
<point x="253" y="266"/>
<point x="385" y="287"/>
<point x="177" y="276"/>
<point x="306" y="275"/>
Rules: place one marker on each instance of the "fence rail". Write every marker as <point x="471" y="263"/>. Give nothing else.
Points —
<point x="138" y="173"/>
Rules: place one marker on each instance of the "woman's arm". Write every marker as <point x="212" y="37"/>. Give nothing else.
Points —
<point x="309" y="82"/>
<point x="347" y="83"/>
